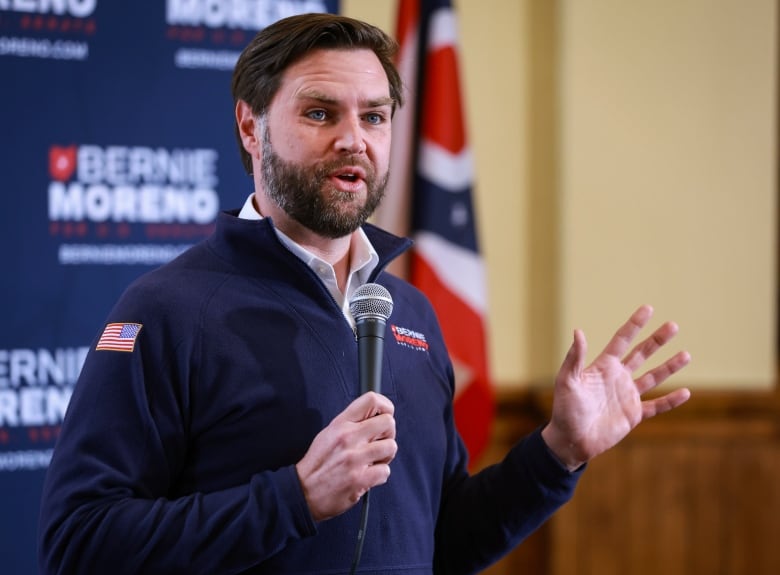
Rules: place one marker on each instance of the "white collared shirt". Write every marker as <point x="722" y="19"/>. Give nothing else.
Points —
<point x="362" y="261"/>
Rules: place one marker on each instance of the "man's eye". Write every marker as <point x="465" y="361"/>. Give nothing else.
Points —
<point x="317" y="114"/>
<point x="375" y="118"/>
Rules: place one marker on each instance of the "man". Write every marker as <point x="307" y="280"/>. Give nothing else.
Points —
<point x="224" y="430"/>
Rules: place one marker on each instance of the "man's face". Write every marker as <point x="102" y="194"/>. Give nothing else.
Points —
<point x="326" y="141"/>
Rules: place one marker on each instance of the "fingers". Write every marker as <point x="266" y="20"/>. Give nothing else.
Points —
<point x="623" y="337"/>
<point x="649" y="346"/>
<point x="367" y="405"/>
<point x="367" y="420"/>
<point x="652" y="407"/>
<point x="380" y="452"/>
<point x="642" y="351"/>
<point x="375" y="428"/>
<point x="659" y="374"/>
<point x="574" y="362"/>
<point x="349" y="456"/>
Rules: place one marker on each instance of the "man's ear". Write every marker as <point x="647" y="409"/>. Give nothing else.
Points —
<point x="247" y="124"/>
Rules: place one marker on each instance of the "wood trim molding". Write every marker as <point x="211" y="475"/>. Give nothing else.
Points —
<point x="689" y="491"/>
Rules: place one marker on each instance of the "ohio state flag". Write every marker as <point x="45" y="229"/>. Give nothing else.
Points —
<point x="429" y="198"/>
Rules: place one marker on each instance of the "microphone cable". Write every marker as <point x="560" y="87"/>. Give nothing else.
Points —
<point x="361" y="532"/>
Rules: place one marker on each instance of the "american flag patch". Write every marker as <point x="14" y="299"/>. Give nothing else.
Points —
<point x="119" y="336"/>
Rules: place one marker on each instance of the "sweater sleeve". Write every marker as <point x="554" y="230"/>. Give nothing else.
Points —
<point x="486" y="515"/>
<point x="113" y="500"/>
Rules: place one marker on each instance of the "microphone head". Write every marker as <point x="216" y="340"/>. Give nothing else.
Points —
<point x="371" y="301"/>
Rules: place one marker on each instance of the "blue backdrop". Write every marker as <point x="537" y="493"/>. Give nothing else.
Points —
<point x="117" y="152"/>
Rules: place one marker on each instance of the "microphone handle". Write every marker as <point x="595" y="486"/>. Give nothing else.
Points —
<point x="371" y="340"/>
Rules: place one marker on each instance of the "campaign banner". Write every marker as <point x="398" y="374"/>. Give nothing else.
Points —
<point x="117" y="152"/>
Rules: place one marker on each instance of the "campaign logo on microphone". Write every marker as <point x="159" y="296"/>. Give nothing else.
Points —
<point x="211" y="35"/>
<point x="59" y="30"/>
<point x="135" y="205"/>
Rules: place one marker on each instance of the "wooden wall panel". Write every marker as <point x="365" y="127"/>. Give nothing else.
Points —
<point x="693" y="492"/>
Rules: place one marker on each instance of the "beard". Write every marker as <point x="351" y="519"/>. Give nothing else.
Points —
<point x="305" y="194"/>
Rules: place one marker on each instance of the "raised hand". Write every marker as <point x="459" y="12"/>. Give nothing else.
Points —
<point x="349" y="457"/>
<point x="595" y="407"/>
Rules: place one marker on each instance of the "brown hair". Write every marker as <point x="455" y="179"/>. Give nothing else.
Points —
<point x="259" y="69"/>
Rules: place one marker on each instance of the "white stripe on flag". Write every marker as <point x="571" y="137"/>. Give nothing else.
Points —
<point x="443" y="29"/>
<point x="461" y="270"/>
<point x="452" y="172"/>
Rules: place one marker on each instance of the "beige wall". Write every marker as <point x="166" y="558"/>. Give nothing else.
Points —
<point x="625" y="154"/>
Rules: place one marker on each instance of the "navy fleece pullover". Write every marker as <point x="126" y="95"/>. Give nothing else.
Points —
<point x="178" y="456"/>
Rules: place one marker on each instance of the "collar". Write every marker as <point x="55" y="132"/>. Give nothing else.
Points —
<point x="362" y="256"/>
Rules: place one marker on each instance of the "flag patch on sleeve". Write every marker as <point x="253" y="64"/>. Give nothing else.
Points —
<point x="119" y="337"/>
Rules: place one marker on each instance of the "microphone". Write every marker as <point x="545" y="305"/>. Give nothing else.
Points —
<point x="371" y="306"/>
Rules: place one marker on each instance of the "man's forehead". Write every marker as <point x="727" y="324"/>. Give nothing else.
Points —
<point x="320" y="69"/>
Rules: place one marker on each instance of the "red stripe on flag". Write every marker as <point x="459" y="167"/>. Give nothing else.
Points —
<point x="438" y="103"/>
<point x="408" y="18"/>
<point x="441" y="120"/>
<point x="464" y="334"/>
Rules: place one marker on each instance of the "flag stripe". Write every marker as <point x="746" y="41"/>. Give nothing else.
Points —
<point x="442" y="122"/>
<point x="445" y="262"/>
<point x="451" y="171"/>
<point x="463" y="331"/>
<point x="462" y="270"/>
<point x="119" y="337"/>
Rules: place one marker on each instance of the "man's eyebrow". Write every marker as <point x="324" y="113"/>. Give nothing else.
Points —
<point x="323" y="98"/>
<point x="317" y="96"/>
<point x="387" y="101"/>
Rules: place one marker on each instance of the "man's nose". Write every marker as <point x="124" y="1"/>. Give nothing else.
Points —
<point x="351" y="137"/>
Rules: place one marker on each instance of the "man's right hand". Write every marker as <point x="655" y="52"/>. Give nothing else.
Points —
<point x="349" y="457"/>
